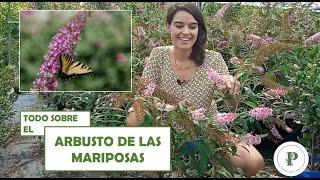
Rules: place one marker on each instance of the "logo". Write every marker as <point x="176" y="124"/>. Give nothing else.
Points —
<point x="291" y="158"/>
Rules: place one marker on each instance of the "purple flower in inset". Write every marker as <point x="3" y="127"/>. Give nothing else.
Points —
<point x="121" y="57"/>
<point x="62" y="43"/>
<point x="260" y="113"/>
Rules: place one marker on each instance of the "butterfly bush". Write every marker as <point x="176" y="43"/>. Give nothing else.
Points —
<point x="259" y="69"/>
<point x="250" y="139"/>
<point x="149" y="90"/>
<point x="62" y="43"/>
<point x="257" y="40"/>
<point x="254" y="38"/>
<point x="275" y="132"/>
<point x="214" y="76"/>
<point x="313" y="39"/>
<point x="198" y="114"/>
<point x="220" y="14"/>
<point x="235" y="60"/>
<point x="226" y="118"/>
<point x="260" y="113"/>
<point x="288" y="129"/>
<point x="223" y="43"/>
<point x="277" y="92"/>
<point x="121" y="57"/>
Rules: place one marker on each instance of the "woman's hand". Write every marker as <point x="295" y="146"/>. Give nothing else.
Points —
<point x="231" y="84"/>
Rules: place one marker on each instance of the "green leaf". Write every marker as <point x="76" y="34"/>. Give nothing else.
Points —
<point x="318" y="112"/>
<point x="240" y="125"/>
<point x="147" y="121"/>
<point x="250" y="104"/>
<point x="227" y="165"/>
<point x="318" y="99"/>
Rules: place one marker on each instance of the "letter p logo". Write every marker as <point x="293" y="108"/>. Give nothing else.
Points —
<point x="290" y="157"/>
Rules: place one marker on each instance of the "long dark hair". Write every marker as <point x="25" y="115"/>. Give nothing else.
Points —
<point x="198" y="49"/>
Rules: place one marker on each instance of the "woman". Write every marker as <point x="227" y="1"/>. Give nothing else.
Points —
<point x="182" y="70"/>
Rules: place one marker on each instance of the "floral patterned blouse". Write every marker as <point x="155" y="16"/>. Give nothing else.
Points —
<point x="199" y="90"/>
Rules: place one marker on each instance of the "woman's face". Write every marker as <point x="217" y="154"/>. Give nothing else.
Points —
<point x="184" y="30"/>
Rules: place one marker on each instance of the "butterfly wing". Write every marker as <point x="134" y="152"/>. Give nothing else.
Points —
<point x="71" y="68"/>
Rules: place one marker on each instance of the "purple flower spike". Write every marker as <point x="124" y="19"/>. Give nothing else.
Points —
<point x="62" y="43"/>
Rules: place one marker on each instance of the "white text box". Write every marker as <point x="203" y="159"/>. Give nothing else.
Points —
<point x="107" y="148"/>
<point x="33" y="122"/>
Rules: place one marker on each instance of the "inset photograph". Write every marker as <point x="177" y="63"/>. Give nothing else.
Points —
<point x="75" y="51"/>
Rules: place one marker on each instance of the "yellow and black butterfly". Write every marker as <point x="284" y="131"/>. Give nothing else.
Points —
<point x="71" y="68"/>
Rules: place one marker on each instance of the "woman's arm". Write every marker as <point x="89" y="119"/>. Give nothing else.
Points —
<point x="151" y="72"/>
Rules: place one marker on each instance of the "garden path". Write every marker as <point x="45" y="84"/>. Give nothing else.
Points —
<point x="21" y="156"/>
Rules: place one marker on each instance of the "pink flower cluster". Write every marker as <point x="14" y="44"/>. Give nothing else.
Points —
<point x="275" y="132"/>
<point x="152" y="44"/>
<point x="257" y="40"/>
<point x="250" y="139"/>
<point x="313" y="39"/>
<point x="260" y="113"/>
<point x="235" y="60"/>
<point x="223" y="43"/>
<point x="220" y="14"/>
<point x="254" y="38"/>
<point x="214" y="76"/>
<point x="62" y="43"/>
<point x="288" y="129"/>
<point x="259" y="69"/>
<point x="149" y="90"/>
<point x="121" y="57"/>
<point x="277" y="92"/>
<point x="198" y="114"/>
<point x="226" y="118"/>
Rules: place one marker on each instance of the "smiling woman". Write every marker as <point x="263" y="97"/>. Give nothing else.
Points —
<point x="182" y="70"/>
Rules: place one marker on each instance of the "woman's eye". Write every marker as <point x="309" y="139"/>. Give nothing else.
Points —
<point x="179" y="26"/>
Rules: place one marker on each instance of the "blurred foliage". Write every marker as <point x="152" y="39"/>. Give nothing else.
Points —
<point x="105" y="35"/>
<point x="7" y="94"/>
